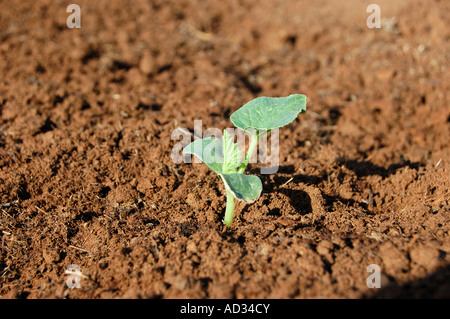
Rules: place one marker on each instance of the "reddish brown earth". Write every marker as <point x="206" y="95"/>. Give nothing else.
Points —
<point x="86" y="176"/>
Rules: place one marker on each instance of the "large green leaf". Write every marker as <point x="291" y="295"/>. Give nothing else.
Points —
<point x="246" y="188"/>
<point x="269" y="112"/>
<point x="231" y="154"/>
<point x="209" y="150"/>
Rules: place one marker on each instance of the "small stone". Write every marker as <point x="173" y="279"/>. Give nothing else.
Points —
<point x="147" y="64"/>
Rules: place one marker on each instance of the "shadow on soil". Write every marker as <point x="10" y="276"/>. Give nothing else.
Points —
<point x="299" y="199"/>
<point x="360" y="168"/>
<point x="365" y="168"/>
<point x="435" y="286"/>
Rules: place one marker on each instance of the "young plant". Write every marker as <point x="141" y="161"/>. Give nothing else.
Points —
<point x="257" y="117"/>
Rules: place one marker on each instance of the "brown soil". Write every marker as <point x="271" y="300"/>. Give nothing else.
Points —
<point x="86" y="176"/>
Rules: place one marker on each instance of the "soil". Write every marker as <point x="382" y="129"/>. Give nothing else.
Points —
<point x="87" y="178"/>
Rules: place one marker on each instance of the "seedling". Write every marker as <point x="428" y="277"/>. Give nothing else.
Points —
<point x="257" y="117"/>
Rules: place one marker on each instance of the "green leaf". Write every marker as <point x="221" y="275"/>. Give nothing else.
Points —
<point x="268" y="113"/>
<point x="246" y="188"/>
<point x="209" y="150"/>
<point x="231" y="154"/>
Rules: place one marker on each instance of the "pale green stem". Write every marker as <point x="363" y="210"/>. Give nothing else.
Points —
<point x="249" y="153"/>
<point x="230" y="209"/>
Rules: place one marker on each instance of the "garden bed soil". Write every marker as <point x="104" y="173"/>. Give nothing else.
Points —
<point x="87" y="178"/>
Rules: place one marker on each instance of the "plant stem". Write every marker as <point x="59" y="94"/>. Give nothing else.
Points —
<point x="250" y="151"/>
<point x="230" y="209"/>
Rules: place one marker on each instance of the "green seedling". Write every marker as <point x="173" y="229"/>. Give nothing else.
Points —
<point x="257" y="117"/>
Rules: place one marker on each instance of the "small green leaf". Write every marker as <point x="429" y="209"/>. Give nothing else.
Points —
<point x="209" y="150"/>
<point x="231" y="154"/>
<point x="268" y="113"/>
<point x="246" y="188"/>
